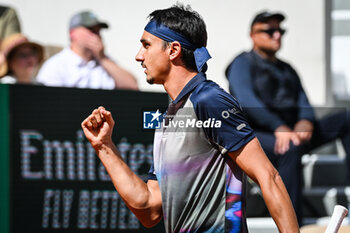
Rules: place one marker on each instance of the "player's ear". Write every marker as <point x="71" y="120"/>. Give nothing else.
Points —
<point x="175" y="50"/>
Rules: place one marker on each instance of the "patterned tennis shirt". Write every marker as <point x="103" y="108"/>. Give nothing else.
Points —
<point x="202" y="187"/>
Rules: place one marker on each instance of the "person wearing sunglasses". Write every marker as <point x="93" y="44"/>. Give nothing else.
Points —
<point x="277" y="108"/>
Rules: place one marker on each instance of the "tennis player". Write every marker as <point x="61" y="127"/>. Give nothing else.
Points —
<point x="199" y="170"/>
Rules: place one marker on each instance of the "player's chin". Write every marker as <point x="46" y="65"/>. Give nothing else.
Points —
<point x="150" y="79"/>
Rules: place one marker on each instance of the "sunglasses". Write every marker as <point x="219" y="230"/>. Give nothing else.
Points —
<point x="271" y="31"/>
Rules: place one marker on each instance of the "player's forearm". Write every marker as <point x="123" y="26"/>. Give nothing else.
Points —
<point x="278" y="202"/>
<point x="144" y="202"/>
<point x="143" y="199"/>
<point x="122" y="78"/>
<point x="130" y="187"/>
<point x="260" y="169"/>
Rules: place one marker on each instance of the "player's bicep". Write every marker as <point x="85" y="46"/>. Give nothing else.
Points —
<point x="154" y="190"/>
<point x="155" y="200"/>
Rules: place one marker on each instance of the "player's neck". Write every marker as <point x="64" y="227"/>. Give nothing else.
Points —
<point x="176" y="81"/>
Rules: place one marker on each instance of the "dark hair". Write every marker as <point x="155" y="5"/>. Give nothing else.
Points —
<point x="188" y="23"/>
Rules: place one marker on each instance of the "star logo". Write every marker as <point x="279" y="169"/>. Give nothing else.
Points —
<point x="156" y="115"/>
<point x="152" y="120"/>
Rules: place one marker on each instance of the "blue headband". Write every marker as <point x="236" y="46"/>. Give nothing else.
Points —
<point x="201" y="55"/>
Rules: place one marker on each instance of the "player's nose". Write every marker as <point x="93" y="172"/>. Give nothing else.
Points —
<point x="139" y="56"/>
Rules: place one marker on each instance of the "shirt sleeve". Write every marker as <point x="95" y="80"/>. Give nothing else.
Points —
<point x="239" y="74"/>
<point x="151" y="173"/>
<point x="213" y="103"/>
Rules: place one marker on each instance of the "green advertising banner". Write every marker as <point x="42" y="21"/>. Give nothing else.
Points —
<point x="4" y="159"/>
<point x="51" y="178"/>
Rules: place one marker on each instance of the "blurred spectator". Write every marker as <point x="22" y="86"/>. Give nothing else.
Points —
<point x="277" y="107"/>
<point x="84" y="64"/>
<point x="9" y="23"/>
<point x="22" y="59"/>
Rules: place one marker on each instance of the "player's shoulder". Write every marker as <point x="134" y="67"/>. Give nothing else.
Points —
<point x="210" y="94"/>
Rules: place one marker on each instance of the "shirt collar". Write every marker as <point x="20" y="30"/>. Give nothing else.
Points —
<point x="192" y="84"/>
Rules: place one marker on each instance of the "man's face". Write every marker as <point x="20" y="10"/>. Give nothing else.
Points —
<point x="154" y="57"/>
<point x="267" y="36"/>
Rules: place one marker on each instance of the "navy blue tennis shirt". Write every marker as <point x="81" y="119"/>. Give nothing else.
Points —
<point x="202" y="187"/>
<point x="270" y="93"/>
